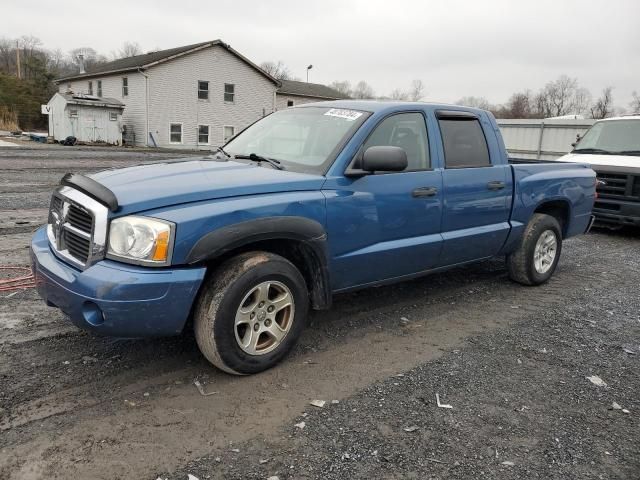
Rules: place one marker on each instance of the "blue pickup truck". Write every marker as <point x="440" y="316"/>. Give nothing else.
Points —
<point x="305" y="203"/>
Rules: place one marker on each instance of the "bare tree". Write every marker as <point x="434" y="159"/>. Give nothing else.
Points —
<point x="520" y="105"/>
<point x="344" y="87"/>
<point x="634" y="105"/>
<point x="7" y="55"/>
<point x="363" y="90"/>
<point x="475" y="102"/>
<point x="91" y="57"/>
<point x="398" y="94"/>
<point x="603" y="107"/>
<point x="562" y="96"/>
<point x="417" y="91"/>
<point x="129" y="49"/>
<point x="277" y="70"/>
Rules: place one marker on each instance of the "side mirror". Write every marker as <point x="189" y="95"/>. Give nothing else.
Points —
<point x="384" y="159"/>
<point x="578" y="137"/>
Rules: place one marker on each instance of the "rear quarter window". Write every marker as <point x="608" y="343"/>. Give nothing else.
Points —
<point x="465" y="145"/>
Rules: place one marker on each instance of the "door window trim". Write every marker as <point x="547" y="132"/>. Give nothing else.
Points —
<point x="360" y="152"/>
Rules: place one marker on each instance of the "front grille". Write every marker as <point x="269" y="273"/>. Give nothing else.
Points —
<point x="77" y="246"/>
<point x="636" y="187"/>
<point x="80" y="219"/>
<point x="614" y="186"/>
<point x="71" y="230"/>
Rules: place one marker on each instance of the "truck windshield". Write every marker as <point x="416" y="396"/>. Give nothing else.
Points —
<point x="304" y="139"/>
<point x="611" y="137"/>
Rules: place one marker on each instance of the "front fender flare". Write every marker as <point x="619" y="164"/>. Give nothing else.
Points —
<point x="312" y="234"/>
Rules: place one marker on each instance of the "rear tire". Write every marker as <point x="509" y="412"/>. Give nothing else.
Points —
<point x="251" y="312"/>
<point x="534" y="262"/>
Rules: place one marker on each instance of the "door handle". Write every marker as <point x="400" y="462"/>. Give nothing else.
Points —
<point x="497" y="185"/>
<point x="424" y="192"/>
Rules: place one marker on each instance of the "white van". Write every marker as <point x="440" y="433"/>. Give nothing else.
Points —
<point x="612" y="148"/>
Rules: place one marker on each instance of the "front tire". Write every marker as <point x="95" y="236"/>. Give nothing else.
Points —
<point x="534" y="262"/>
<point x="251" y="312"/>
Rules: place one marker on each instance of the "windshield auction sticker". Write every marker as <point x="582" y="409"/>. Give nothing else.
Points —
<point x="350" y="115"/>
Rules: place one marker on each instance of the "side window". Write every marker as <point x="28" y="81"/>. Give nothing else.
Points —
<point x="125" y="86"/>
<point x="464" y="143"/>
<point x="175" y="133"/>
<point x="203" y="90"/>
<point x="405" y="130"/>
<point x="229" y="92"/>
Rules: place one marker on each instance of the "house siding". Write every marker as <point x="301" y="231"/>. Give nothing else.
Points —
<point x="135" y="107"/>
<point x="174" y="96"/>
<point x="283" y="98"/>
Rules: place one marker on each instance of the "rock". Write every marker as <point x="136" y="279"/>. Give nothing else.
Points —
<point x="235" y="450"/>
<point x="317" y="403"/>
<point x="596" y="380"/>
<point x="262" y="461"/>
<point x="273" y="477"/>
<point x="87" y="359"/>
<point x="508" y="463"/>
<point x="300" y="425"/>
<point x="624" y="410"/>
<point x="615" y="406"/>
<point x="412" y="428"/>
<point x="335" y="402"/>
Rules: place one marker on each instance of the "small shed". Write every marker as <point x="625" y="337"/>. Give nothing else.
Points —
<point x="89" y="118"/>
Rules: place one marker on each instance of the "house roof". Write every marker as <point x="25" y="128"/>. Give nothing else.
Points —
<point x="305" y="89"/>
<point x="91" y="100"/>
<point x="147" y="60"/>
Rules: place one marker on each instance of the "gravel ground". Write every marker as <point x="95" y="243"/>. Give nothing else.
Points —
<point x="522" y="406"/>
<point x="511" y="361"/>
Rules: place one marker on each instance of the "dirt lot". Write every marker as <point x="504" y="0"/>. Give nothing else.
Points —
<point x="511" y="361"/>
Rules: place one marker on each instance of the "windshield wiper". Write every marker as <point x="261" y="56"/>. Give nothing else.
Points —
<point x="628" y="152"/>
<point x="592" y="150"/>
<point x="258" y="158"/>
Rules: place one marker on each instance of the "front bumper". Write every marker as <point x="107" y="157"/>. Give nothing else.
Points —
<point x="619" y="212"/>
<point x="113" y="298"/>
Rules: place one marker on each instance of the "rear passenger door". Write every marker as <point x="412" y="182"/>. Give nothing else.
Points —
<point x="477" y="188"/>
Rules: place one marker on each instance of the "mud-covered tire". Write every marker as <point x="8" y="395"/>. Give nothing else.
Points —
<point x="521" y="264"/>
<point x="221" y="299"/>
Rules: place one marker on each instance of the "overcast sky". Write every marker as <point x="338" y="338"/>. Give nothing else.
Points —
<point x="487" y="48"/>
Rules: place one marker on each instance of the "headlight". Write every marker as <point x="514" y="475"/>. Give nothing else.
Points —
<point x="141" y="240"/>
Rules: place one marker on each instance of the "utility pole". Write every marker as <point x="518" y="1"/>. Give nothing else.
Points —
<point x="308" y="68"/>
<point x="18" y="73"/>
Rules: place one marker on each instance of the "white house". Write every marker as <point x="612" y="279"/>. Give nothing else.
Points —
<point x="86" y="117"/>
<point x="196" y="96"/>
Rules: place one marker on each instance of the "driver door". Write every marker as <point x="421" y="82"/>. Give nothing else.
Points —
<point x="386" y="225"/>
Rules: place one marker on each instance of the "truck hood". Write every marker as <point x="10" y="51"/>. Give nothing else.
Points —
<point x="157" y="185"/>
<point x="602" y="160"/>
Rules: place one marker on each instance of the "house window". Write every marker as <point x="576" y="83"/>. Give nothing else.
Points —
<point x="113" y="116"/>
<point x="203" y="134"/>
<point x="99" y="85"/>
<point x="289" y="103"/>
<point x="73" y="113"/>
<point x="229" y="92"/>
<point x="125" y="86"/>
<point x="228" y="132"/>
<point x="203" y="90"/>
<point x="175" y="133"/>
<point x="90" y="89"/>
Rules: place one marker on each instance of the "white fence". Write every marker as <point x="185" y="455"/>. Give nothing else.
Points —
<point x="541" y="139"/>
